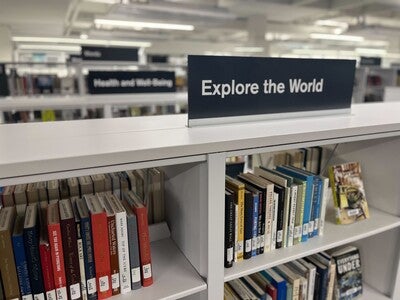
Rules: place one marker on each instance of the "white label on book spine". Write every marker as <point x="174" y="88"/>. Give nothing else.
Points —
<point x="262" y="241"/>
<point x="61" y="293"/>
<point x="254" y="243"/>
<point x="297" y="232"/>
<point x="147" y="271"/>
<point x="75" y="290"/>
<point x="135" y="272"/>
<point x="305" y="229"/>
<point x="51" y="295"/>
<point x="115" y="281"/>
<point x="279" y="236"/>
<point x="27" y="297"/>
<point x="248" y="245"/>
<point x="311" y="227"/>
<point x="258" y="242"/>
<point x="229" y="254"/>
<point x="316" y="224"/>
<point x="91" y="286"/>
<point x="353" y="212"/>
<point x="39" y="296"/>
<point x="104" y="284"/>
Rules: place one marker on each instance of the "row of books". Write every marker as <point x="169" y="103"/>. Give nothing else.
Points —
<point x="147" y="183"/>
<point x="271" y="209"/>
<point x="79" y="248"/>
<point x="323" y="276"/>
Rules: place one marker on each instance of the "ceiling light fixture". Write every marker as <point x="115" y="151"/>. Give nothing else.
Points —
<point x="50" y="47"/>
<point x="332" y="23"/>
<point x="249" y="49"/>
<point x="104" y="1"/>
<point x="336" y="37"/>
<point x="151" y="25"/>
<point x="371" y="51"/>
<point x="97" y="42"/>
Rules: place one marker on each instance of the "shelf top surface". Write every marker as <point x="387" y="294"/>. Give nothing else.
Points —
<point x="37" y="148"/>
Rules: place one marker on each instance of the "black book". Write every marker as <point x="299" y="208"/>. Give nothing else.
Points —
<point x="229" y="228"/>
<point x="248" y="223"/>
<point x="280" y="220"/>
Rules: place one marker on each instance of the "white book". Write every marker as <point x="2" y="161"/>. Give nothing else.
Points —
<point x="324" y="202"/>
<point x="312" y="271"/>
<point x="292" y="214"/>
<point x="274" y="220"/>
<point x="122" y="240"/>
<point x="268" y="217"/>
<point x="82" y="269"/>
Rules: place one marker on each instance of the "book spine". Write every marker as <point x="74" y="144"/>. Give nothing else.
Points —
<point x="274" y="221"/>
<point x="260" y="225"/>
<point x="317" y="211"/>
<point x="240" y="236"/>
<point x="114" y="264"/>
<point x="21" y="265"/>
<point x="7" y="267"/>
<point x="79" y="244"/>
<point x="292" y="215"/>
<point x="301" y="215"/>
<point x="229" y="230"/>
<point x="47" y="271"/>
<point x="88" y="257"/>
<point x="57" y="260"/>
<point x="235" y="250"/>
<point x="254" y="245"/>
<point x="268" y="217"/>
<point x="31" y="242"/>
<point x="314" y="212"/>
<point x="324" y="203"/>
<point x="134" y="258"/>
<point x="123" y="252"/>
<point x="101" y="254"/>
<point x="144" y="246"/>
<point x="248" y="224"/>
<point x="286" y="217"/>
<point x="280" y="221"/>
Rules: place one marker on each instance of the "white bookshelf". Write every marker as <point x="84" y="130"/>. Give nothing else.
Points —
<point x="189" y="262"/>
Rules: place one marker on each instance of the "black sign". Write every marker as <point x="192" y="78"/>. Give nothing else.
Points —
<point x="109" y="53"/>
<point x="3" y="81"/>
<point x="131" y="82"/>
<point x="159" y="59"/>
<point x="246" y="86"/>
<point x="370" y="61"/>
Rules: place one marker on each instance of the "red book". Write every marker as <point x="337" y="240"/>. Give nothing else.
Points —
<point x="144" y="238"/>
<point x="57" y="255"/>
<point x="101" y="249"/>
<point x="45" y="255"/>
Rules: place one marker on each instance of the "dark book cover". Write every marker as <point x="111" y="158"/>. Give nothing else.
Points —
<point x="280" y="220"/>
<point x="248" y="223"/>
<point x="69" y="242"/>
<point x="31" y="241"/>
<point x="277" y="281"/>
<point x="229" y="228"/>
<point x="73" y="187"/>
<point x="323" y="272"/>
<point x="64" y="190"/>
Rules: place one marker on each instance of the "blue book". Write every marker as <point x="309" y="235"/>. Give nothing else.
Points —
<point x="31" y="242"/>
<point x="277" y="281"/>
<point x="323" y="277"/>
<point x="20" y="258"/>
<point x="248" y="224"/>
<point x="254" y="246"/>
<point x="309" y="179"/>
<point x="87" y="244"/>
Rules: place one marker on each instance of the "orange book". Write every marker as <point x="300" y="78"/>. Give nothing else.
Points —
<point x="57" y="254"/>
<point x="101" y="249"/>
<point x="144" y="238"/>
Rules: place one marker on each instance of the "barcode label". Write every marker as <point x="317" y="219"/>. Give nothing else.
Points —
<point x="311" y="227"/>
<point x="39" y="296"/>
<point x="91" y="286"/>
<point x="115" y="281"/>
<point x="353" y="212"/>
<point x="258" y="242"/>
<point x="75" y="290"/>
<point x="51" y="295"/>
<point x="297" y="231"/>
<point x="240" y="246"/>
<point x="147" y="271"/>
<point x="229" y="254"/>
<point x="135" y="272"/>
<point x="104" y="284"/>
<point x="254" y="243"/>
<point x="305" y="229"/>
<point x="61" y="293"/>
<point x="279" y="236"/>
<point x="262" y="241"/>
<point x="27" y="297"/>
<point x="248" y="245"/>
<point x="316" y="224"/>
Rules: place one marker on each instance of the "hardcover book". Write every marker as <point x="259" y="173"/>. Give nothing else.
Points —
<point x="348" y="193"/>
<point x="52" y="190"/>
<point x="32" y="193"/>
<point x="42" y="191"/>
<point x="7" y="195"/>
<point x="73" y="186"/>
<point x="229" y="228"/>
<point x="20" y="194"/>
<point x="85" y="185"/>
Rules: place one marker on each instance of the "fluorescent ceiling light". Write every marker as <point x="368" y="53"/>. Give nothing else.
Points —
<point x="50" y="47"/>
<point x="35" y="39"/>
<point x="104" y="1"/>
<point x="249" y="49"/>
<point x="137" y="25"/>
<point x="335" y="37"/>
<point x="371" y="51"/>
<point x="332" y="23"/>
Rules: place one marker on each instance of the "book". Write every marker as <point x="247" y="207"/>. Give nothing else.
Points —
<point x="348" y="273"/>
<point x="73" y="187"/>
<point x="277" y="281"/>
<point x="332" y="273"/>
<point x="254" y="287"/>
<point x="45" y="253"/>
<point x="348" y="192"/>
<point x="31" y="242"/>
<point x="32" y="193"/>
<point x="229" y="229"/>
<point x="87" y="244"/>
<point x="20" y="194"/>
<point x="21" y="263"/>
<point x="107" y="183"/>
<point x="57" y="254"/>
<point x="70" y="248"/>
<point x="292" y="278"/>
<point x="42" y="191"/>
<point x="99" y="183"/>
<point x="123" y="243"/>
<point x="101" y="249"/>
<point x="7" y="197"/>
<point x="85" y="185"/>
<point x="63" y="188"/>
<point x="248" y="224"/>
<point x="241" y="289"/>
<point x="308" y="270"/>
<point x="238" y="189"/>
<point x="300" y="270"/>
<point x="321" y="285"/>
<point x="116" y="186"/>
<point x="7" y="264"/>
<point x="144" y="239"/>
<point x="133" y="240"/>
<point x="229" y="293"/>
<point x="112" y="242"/>
<point x="156" y="187"/>
<point x="53" y="192"/>
<point x="264" y="283"/>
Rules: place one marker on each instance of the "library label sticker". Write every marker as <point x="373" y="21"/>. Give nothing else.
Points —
<point x="233" y="89"/>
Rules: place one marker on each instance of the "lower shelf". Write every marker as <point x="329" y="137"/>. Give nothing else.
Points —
<point x="371" y="294"/>
<point x="174" y="277"/>
<point x="334" y="236"/>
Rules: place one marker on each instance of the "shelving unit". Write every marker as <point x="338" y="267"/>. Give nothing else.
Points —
<point x="189" y="262"/>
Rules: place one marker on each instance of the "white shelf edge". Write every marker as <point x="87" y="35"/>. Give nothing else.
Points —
<point x="334" y="236"/>
<point x="174" y="277"/>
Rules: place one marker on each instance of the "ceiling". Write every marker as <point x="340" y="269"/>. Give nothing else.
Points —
<point x="246" y="27"/>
